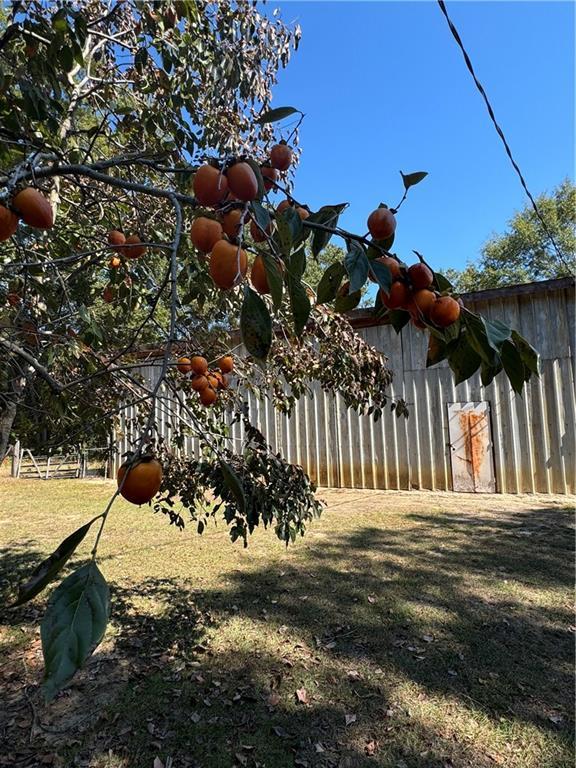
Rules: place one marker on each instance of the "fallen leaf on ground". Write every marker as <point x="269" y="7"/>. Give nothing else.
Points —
<point x="371" y="747"/>
<point x="350" y="719"/>
<point x="302" y="695"/>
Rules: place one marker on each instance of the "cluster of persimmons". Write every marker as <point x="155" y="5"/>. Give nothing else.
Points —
<point x="204" y="380"/>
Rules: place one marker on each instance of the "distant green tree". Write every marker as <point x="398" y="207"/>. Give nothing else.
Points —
<point x="524" y="253"/>
<point x="315" y="268"/>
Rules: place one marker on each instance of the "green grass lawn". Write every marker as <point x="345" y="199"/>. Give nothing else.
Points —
<point x="421" y="630"/>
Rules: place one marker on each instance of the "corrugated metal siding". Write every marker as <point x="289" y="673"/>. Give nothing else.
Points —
<point x="534" y="435"/>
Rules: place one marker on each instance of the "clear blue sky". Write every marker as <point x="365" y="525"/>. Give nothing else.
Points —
<point x="385" y="88"/>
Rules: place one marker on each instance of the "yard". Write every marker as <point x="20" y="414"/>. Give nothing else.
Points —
<point x="406" y="630"/>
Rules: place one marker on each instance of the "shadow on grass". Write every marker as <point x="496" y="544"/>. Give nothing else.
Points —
<point x="465" y="610"/>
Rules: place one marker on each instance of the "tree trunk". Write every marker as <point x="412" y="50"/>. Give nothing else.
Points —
<point x="9" y="401"/>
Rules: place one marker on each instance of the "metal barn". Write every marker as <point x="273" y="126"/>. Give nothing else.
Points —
<point x="466" y="437"/>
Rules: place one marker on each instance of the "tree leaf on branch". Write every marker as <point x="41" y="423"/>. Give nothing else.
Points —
<point x="234" y="485"/>
<point x="51" y="566"/>
<point x="299" y="302"/>
<point x="410" y="179"/>
<point x="255" y="325"/>
<point x="463" y="360"/>
<point x="437" y="350"/>
<point x="260" y="214"/>
<point x="382" y="275"/>
<point x="275" y="278"/>
<point x="347" y="302"/>
<point x="513" y="366"/>
<point x="441" y="283"/>
<point x="330" y="283"/>
<point x="357" y="266"/>
<point x="397" y="318"/>
<point x="527" y="353"/>
<point x="74" y="624"/>
<point x="274" y="115"/>
<point x="327" y="216"/>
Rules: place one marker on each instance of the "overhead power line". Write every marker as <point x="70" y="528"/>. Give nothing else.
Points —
<point x="499" y="130"/>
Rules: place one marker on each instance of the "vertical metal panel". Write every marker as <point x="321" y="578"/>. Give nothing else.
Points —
<point x="533" y="435"/>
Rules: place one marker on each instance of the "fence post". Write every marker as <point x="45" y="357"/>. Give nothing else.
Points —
<point x="16" y="459"/>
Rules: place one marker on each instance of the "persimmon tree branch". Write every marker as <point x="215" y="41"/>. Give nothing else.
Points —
<point x="56" y="386"/>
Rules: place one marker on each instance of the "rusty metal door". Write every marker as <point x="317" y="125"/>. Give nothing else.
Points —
<point x="471" y="447"/>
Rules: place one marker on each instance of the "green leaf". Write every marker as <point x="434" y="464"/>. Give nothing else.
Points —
<point x="261" y="215"/>
<point x="59" y="21"/>
<point x="442" y="283"/>
<point x="255" y="325"/>
<point x="296" y="264"/>
<point x="273" y="115"/>
<point x="382" y="275"/>
<point x="410" y="179"/>
<point x="398" y="319"/>
<point x="488" y="372"/>
<point x="357" y="266"/>
<point x="74" y="624"/>
<point x="51" y="566"/>
<point x="528" y="354"/>
<point x="275" y="278"/>
<point x="496" y="333"/>
<point x="292" y="218"/>
<point x="463" y="360"/>
<point x="327" y="216"/>
<point x="477" y="337"/>
<point x="513" y="366"/>
<point x="234" y="485"/>
<point x="283" y="236"/>
<point x="348" y="302"/>
<point x="299" y="302"/>
<point x="330" y="283"/>
<point x="66" y="58"/>
<point x="437" y="351"/>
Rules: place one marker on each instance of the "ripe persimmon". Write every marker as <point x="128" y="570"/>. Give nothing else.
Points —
<point x="199" y="383"/>
<point x="269" y="176"/>
<point x="108" y="294"/>
<point x="281" y="157"/>
<point x="198" y="365"/>
<point x="232" y="223"/>
<point x="212" y="379"/>
<point x="33" y="208"/>
<point x="283" y="205"/>
<point x="205" y="232"/>
<point x="116" y="239"/>
<point x="210" y="186"/>
<point x="13" y="299"/>
<point x="400" y="296"/>
<point x="8" y="223"/>
<point x="258" y="275"/>
<point x="184" y="365"/>
<point x="423" y="301"/>
<point x="242" y="181"/>
<point x="115" y="262"/>
<point x="228" y="264"/>
<point x="381" y="224"/>
<point x="445" y="311"/>
<point x="393" y="267"/>
<point x="420" y="276"/>
<point x="302" y="212"/>
<point x="208" y="396"/>
<point x="226" y="364"/>
<point x="134" y="248"/>
<point x="142" y="482"/>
